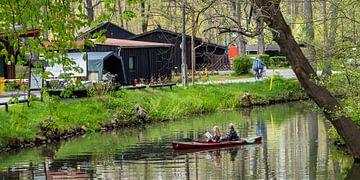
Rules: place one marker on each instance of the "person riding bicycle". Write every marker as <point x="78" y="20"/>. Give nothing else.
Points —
<point x="258" y="65"/>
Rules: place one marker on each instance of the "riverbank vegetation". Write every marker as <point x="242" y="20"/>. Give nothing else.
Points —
<point x="54" y="118"/>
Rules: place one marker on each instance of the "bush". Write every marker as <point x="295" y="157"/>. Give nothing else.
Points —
<point x="242" y="64"/>
<point x="279" y="61"/>
<point x="265" y="58"/>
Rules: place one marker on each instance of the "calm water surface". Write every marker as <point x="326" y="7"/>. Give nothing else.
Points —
<point x="295" y="146"/>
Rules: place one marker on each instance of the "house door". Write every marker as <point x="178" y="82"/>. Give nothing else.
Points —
<point x="2" y="68"/>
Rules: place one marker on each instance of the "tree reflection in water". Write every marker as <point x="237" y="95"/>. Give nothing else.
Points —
<point x="294" y="146"/>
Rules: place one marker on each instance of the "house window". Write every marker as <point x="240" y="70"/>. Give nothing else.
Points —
<point x="131" y="63"/>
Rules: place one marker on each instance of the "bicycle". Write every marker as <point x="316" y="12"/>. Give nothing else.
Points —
<point x="258" y="73"/>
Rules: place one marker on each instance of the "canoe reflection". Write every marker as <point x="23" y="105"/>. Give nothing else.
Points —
<point x="233" y="150"/>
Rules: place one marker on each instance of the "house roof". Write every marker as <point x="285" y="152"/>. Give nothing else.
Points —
<point x="123" y="43"/>
<point x="95" y="56"/>
<point x="30" y="32"/>
<point x="175" y="34"/>
<point x="100" y="25"/>
<point x="161" y="31"/>
<point x="76" y="44"/>
<point x="268" y="47"/>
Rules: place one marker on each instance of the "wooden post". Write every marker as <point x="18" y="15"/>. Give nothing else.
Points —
<point x="193" y="55"/>
<point x="2" y="85"/>
<point x="183" y="47"/>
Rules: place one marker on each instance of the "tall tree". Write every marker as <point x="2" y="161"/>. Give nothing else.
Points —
<point x="334" y="8"/>
<point x="145" y="13"/>
<point x="325" y="28"/>
<point x="195" y="13"/>
<point x="241" y="40"/>
<point x="260" y="29"/>
<point x="310" y="35"/>
<point x="89" y="6"/>
<point x="305" y="73"/>
<point x="120" y="12"/>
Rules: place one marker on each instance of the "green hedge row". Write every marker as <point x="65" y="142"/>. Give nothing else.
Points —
<point x="274" y="61"/>
<point x="242" y="65"/>
<point x="279" y="61"/>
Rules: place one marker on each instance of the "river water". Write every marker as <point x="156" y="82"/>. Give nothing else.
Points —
<point x="295" y="146"/>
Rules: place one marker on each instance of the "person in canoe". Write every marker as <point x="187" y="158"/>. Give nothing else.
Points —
<point x="216" y="136"/>
<point x="231" y="135"/>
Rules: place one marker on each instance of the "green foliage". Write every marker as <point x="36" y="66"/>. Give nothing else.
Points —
<point x="265" y="58"/>
<point x="101" y="89"/>
<point x="346" y="83"/>
<point x="242" y="64"/>
<point x="279" y="61"/>
<point x="335" y="137"/>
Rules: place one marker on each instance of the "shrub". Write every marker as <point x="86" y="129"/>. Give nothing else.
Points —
<point x="280" y="61"/>
<point x="265" y="58"/>
<point x="242" y="64"/>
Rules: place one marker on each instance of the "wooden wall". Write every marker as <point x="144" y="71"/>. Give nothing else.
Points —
<point x="164" y="37"/>
<point x="149" y="62"/>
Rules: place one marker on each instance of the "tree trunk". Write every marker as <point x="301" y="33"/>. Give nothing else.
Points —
<point x="310" y="35"/>
<point x="44" y="9"/>
<point x="120" y="13"/>
<point x="175" y="5"/>
<point x="90" y="10"/>
<point x="293" y="17"/>
<point x="241" y="41"/>
<point x="305" y="74"/>
<point x="260" y="27"/>
<point x="209" y="23"/>
<point x="325" y="29"/>
<point x="126" y="22"/>
<point x="193" y="53"/>
<point x="331" y="46"/>
<point x="144" y="17"/>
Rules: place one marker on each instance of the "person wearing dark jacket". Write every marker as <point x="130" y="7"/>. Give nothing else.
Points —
<point x="231" y="135"/>
<point x="216" y="136"/>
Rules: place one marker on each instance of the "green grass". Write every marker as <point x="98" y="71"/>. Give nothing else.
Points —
<point x="213" y="77"/>
<point x="23" y="124"/>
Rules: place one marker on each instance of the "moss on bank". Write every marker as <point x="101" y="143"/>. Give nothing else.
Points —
<point x="56" y="118"/>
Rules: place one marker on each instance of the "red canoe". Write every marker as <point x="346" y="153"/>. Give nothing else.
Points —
<point x="204" y="144"/>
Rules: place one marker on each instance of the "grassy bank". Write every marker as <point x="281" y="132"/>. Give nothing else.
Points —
<point x="55" y="118"/>
<point x="213" y="77"/>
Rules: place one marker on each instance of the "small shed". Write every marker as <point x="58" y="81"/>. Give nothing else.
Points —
<point x="100" y="63"/>
<point x="142" y="60"/>
<point x="111" y="31"/>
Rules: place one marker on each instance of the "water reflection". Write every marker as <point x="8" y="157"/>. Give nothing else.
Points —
<point x="295" y="146"/>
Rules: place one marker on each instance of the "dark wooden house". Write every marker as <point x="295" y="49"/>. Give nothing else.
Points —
<point x="110" y="31"/>
<point x="143" y="61"/>
<point x="270" y="49"/>
<point x="204" y="52"/>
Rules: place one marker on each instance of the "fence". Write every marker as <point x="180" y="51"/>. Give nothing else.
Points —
<point x="215" y="62"/>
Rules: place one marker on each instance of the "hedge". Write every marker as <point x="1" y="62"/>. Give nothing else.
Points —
<point x="242" y="64"/>
<point x="279" y="61"/>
